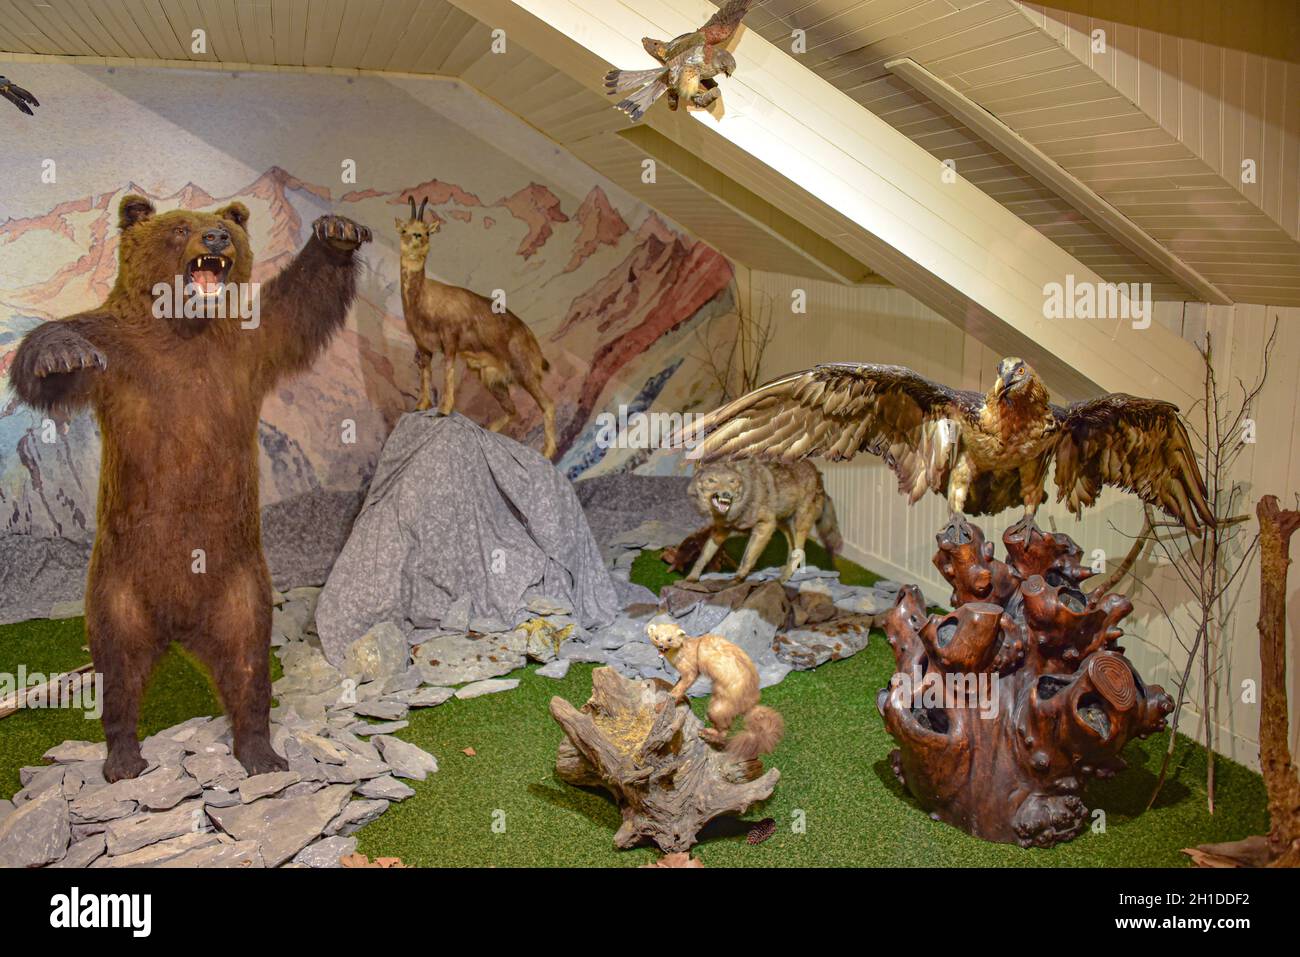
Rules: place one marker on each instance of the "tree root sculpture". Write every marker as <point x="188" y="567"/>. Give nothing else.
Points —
<point x="632" y="739"/>
<point x="1004" y="708"/>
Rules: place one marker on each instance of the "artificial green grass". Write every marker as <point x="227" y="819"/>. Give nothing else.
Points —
<point x="837" y="803"/>
<point x="50" y="646"/>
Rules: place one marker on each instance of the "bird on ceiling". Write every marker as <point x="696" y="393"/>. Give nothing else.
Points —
<point x="691" y="64"/>
<point x="16" y="95"/>
<point x="984" y="453"/>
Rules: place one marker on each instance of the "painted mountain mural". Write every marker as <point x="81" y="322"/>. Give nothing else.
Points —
<point x="613" y="293"/>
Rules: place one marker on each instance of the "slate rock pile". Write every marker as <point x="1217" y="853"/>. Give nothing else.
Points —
<point x="195" y="806"/>
<point x="795" y="626"/>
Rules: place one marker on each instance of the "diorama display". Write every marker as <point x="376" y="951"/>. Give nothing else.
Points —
<point x="455" y="543"/>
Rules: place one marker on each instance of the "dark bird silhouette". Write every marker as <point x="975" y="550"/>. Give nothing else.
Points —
<point x="16" y="95"/>
<point x="691" y="64"/>
<point x="984" y="453"/>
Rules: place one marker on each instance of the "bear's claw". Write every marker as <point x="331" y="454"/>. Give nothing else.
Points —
<point x="70" y="355"/>
<point x="341" y="232"/>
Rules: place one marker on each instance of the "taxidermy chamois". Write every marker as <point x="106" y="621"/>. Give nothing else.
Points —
<point x="496" y="346"/>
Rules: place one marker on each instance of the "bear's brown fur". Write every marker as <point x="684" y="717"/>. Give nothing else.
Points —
<point x="178" y="552"/>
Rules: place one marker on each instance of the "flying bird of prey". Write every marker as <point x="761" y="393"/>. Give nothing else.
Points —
<point x="984" y="453"/>
<point x="16" y="95"/>
<point x="691" y="64"/>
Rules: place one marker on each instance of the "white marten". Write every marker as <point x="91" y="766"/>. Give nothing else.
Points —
<point x="735" y="688"/>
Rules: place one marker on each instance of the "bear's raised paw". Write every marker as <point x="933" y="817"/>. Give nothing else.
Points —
<point x="66" y="351"/>
<point x="341" y="232"/>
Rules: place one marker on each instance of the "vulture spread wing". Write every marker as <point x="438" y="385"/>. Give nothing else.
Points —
<point x="1137" y="444"/>
<point x="837" y="410"/>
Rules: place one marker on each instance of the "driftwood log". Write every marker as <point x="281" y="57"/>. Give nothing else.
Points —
<point x="632" y="739"/>
<point x="1004" y="708"/>
<point x="1281" y="846"/>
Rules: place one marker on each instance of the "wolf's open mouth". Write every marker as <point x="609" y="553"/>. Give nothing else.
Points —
<point x="721" y="502"/>
<point x="208" y="273"/>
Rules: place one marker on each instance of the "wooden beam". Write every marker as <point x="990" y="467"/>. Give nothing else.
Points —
<point x="810" y="150"/>
<point x="756" y="211"/>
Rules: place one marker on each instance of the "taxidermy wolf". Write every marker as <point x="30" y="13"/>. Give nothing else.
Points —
<point x="760" y="497"/>
<point x="497" y="346"/>
<point x="735" y="688"/>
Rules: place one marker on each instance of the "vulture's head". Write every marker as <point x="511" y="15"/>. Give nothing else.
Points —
<point x="1017" y="380"/>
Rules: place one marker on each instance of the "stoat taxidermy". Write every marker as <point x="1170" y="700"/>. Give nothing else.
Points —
<point x="735" y="688"/>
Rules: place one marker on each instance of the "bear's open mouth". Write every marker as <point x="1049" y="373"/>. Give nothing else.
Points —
<point x="721" y="501"/>
<point x="208" y="273"/>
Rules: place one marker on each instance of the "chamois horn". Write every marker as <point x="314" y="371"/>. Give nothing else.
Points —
<point x="423" y="203"/>
<point x="411" y="200"/>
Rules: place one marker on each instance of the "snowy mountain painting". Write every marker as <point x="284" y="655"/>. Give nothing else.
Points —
<point x="613" y="292"/>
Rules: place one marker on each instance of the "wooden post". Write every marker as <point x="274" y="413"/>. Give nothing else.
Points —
<point x="1276" y="526"/>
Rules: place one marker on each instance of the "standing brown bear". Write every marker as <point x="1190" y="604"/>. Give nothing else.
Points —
<point x="178" y="551"/>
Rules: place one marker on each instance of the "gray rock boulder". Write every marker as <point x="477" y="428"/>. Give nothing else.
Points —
<point x="386" y="788"/>
<point x="489" y="686"/>
<point x="36" y="832"/>
<point x="354" y="816"/>
<point x="406" y="760"/>
<point x="456" y="659"/>
<point x="326" y="852"/>
<point x="140" y="830"/>
<point x="264" y="785"/>
<point x="71" y="752"/>
<point x="166" y="850"/>
<point x="379" y="654"/>
<point x="239" y="854"/>
<point x="82" y="853"/>
<point x="559" y="668"/>
<point x="215" y="770"/>
<point x="282" y="827"/>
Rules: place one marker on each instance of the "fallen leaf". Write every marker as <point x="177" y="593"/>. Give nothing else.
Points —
<point x="469" y="751"/>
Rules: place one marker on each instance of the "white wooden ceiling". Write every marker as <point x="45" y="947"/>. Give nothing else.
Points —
<point x="1158" y="124"/>
<point x="1154" y="126"/>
